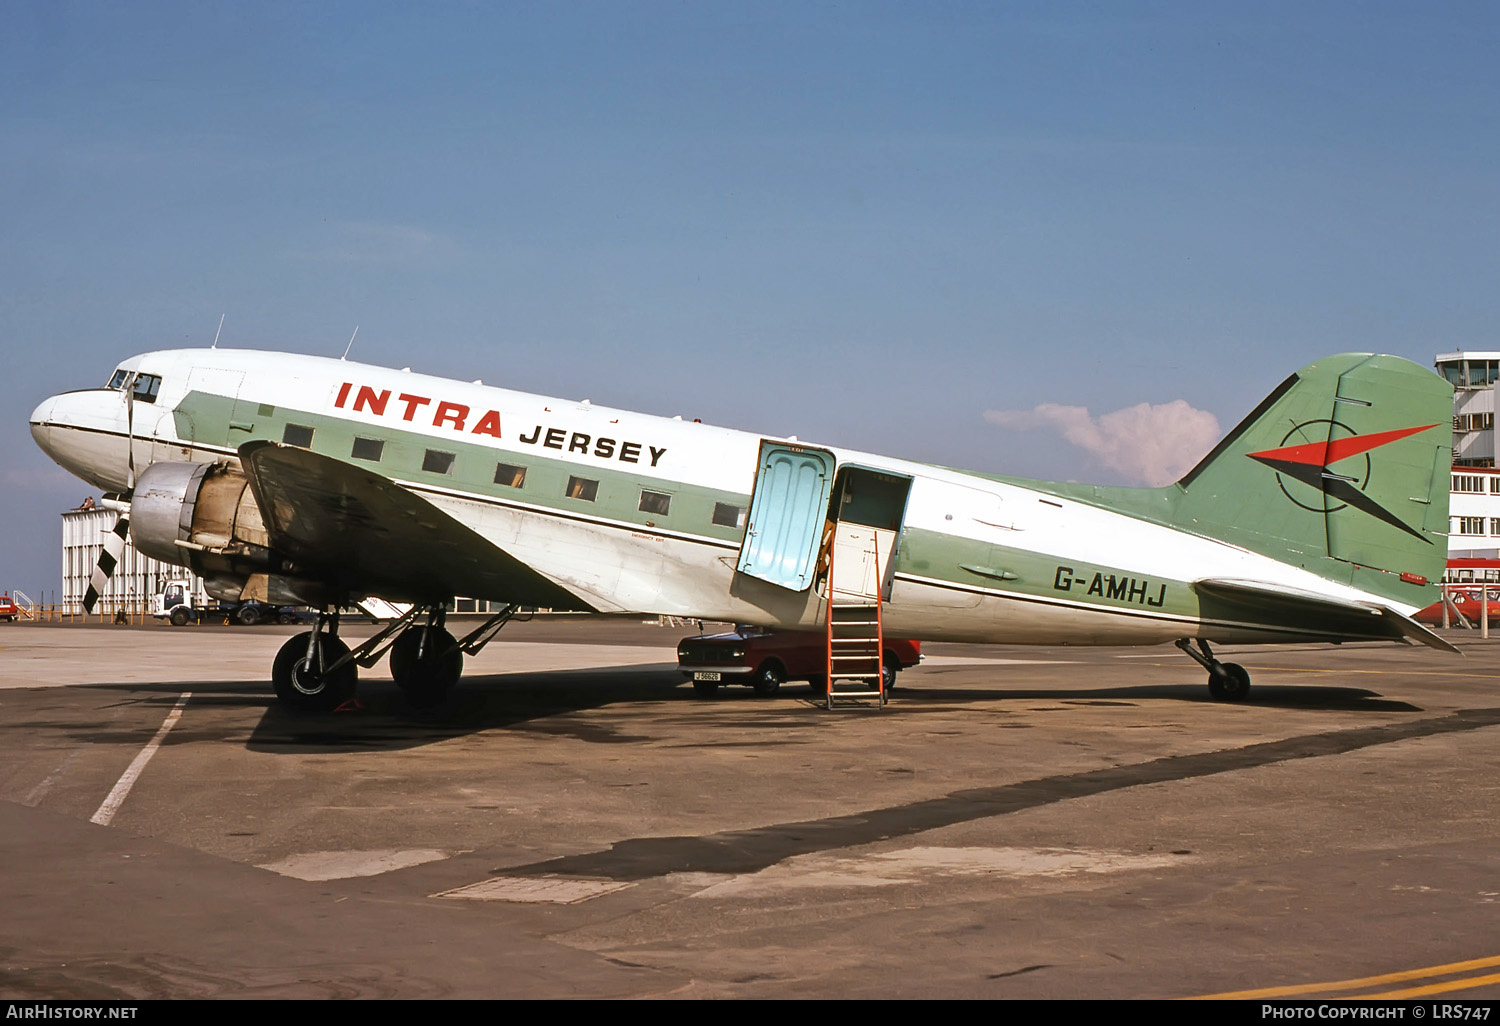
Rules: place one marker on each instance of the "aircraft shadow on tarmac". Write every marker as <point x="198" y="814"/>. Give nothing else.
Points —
<point x="545" y="701"/>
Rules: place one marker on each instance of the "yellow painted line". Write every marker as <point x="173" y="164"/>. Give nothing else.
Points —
<point x="1372" y="981"/>
<point x="1436" y="988"/>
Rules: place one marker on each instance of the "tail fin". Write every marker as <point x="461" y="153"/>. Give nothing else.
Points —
<point x="1342" y="470"/>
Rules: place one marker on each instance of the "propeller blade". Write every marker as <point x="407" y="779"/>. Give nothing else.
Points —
<point x="109" y="558"/>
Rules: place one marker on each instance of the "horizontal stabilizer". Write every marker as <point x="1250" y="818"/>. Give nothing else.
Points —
<point x="380" y="609"/>
<point x="1312" y="611"/>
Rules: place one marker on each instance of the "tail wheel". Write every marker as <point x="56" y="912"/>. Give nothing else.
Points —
<point x="311" y="687"/>
<point x="426" y="671"/>
<point x="1229" y="682"/>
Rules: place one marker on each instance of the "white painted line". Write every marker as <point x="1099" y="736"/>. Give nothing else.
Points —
<point x="547" y="889"/>
<point x="138" y="764"/>
<point x="341" y="865"/>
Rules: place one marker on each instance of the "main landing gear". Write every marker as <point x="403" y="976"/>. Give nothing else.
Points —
<point x="315" y="671"/>
<point x="1228" y="682"/>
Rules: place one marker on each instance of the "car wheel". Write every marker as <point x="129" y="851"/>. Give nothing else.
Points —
<point x="888" y="670"/>
<point x="768" y="679"/>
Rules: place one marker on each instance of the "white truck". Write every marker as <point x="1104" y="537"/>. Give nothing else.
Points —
<point x="179" y="603"/>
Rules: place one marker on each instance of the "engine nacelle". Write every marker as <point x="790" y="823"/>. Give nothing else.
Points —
<point x="204" y="516"/>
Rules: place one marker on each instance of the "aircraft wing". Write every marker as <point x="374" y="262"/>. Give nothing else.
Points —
<point x="1309" y="609"/>
<point x="366" y="534"/>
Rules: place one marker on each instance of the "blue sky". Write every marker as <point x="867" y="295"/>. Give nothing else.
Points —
<point x="866" y="223"/>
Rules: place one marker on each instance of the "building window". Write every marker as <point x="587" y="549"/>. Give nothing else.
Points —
<point x="655" y="502"/>
<point x="1469" y="484"/>
<point x="435" y="462"/>
<point x="299" y="435"/>
<point x="582" y="488"/>
<point x="1470" y="525"/>
<point x="726" y="515"/>
<point x="368" y="449"/>
<point x="509" y="476"/>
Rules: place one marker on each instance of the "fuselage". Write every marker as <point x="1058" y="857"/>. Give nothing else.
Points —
<point x="634" y="512"/>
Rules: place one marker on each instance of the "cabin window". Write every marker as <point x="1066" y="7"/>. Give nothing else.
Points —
<point x="299" y="435"/>
<point x="582" y="488"/>
<point x="435" y="462"/>
<point x="510" y="476"/>
<point x="118" y="381"/>
<point x="655" y="502"/>
<point x="146" y="387"/>
<point x="368" y="449"/>
<point x="726" y="515"/>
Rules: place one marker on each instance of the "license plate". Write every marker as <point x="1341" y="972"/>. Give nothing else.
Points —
<point x="707" y="675"/>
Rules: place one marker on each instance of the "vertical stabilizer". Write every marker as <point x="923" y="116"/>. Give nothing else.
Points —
<point x="1342" y="470"/>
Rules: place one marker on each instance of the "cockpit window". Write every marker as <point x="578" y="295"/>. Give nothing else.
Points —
<point x="118" y="381"/>
<point x="146" y="386"/>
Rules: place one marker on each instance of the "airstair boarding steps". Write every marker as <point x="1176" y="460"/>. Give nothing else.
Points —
<point x="855" y="639"/>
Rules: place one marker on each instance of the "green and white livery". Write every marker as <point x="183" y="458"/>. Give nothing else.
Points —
<point x="1321" y="517"/>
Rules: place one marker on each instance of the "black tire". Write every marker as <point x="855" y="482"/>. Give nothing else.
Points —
<point x="1230" y="684"/>
<point x="248" y="615"/>
<point x="426" y="681"/>
<point x="705" y="688"/>
<point x="179" y="616"/>
<point x="819" y="687"/>
<point x="306" y="689"/>
<point x="889" y="668"/>
<point x="767" y="679"/>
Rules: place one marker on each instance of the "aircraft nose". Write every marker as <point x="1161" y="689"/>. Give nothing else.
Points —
<point x="41" y="422"/>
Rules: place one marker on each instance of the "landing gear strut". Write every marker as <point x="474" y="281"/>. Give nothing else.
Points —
<point x="1228" y="682"/>
<point x="313" y="672"/>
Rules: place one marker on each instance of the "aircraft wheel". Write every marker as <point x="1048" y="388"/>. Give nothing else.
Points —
<point x="179" y="617"/>
<point x="768" y="679"/>
<point x="303" y="688"/>
<point x="425" y="681"/>
<point x="1231" y="684"/>
<point x="705" y="688"/>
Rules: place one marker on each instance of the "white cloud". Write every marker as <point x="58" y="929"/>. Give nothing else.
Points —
<point x="1143" y="444"/>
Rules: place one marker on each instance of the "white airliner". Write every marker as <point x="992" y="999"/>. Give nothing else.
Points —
<point x="1321" y="517"/>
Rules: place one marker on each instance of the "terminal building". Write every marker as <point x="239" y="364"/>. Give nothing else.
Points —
<point x="1474" y="505"/>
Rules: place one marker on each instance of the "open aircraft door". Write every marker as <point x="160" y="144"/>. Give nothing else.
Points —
<point x="786" y="516"/>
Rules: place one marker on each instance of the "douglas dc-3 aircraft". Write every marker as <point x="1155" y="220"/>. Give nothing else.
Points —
<point x="300" y="479"/>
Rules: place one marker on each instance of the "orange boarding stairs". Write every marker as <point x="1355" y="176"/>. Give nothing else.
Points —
<point x="855" y="639"/>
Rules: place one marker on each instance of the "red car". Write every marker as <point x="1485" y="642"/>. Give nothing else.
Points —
<point x="764" y="659"/>
<point x="8" y="608"/>
<point x="1466" y="601"/>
